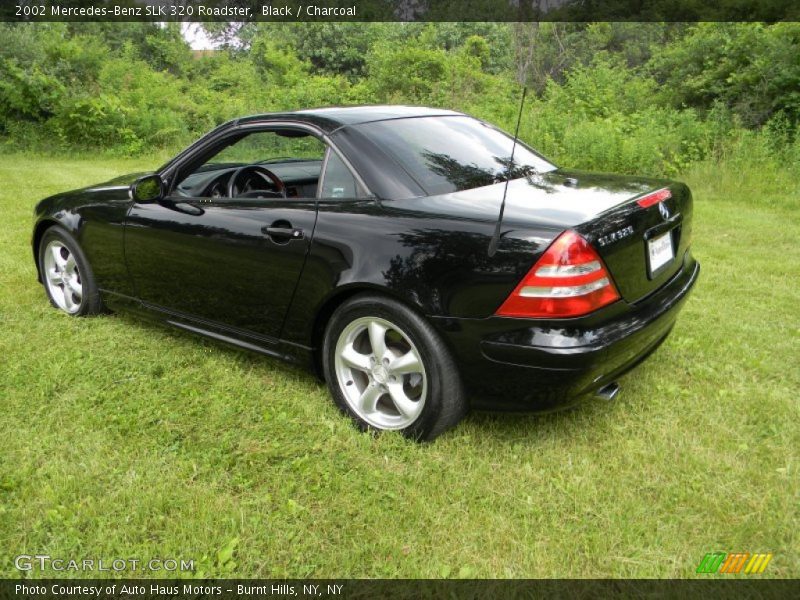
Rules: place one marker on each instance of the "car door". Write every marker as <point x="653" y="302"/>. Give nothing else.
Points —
<point x="227" y="262"/>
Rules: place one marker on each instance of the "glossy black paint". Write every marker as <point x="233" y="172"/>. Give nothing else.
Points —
<point x="219" y="265"/>
<point x="212" y="267"/>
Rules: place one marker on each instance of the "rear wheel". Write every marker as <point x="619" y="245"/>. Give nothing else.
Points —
<point x="389" y="370"/>
<point x="66" y="274"/>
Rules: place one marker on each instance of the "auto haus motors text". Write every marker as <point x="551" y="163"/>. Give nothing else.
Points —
<point x="154" y="589"/>
<point x="114" y="589"/>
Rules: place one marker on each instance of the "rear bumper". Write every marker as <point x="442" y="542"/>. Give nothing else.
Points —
<point x="522" y="364"/>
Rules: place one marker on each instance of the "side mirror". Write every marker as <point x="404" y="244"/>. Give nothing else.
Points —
<point x="149" y="188"/>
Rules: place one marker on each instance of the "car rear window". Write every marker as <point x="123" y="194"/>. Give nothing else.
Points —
<point x="446" y="154"/>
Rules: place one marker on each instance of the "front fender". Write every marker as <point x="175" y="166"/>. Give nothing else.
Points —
<point x="95" y="217"/>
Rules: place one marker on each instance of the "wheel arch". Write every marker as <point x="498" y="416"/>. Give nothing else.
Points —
<point x="38" y="233"/>
<point x="334" y="301"/>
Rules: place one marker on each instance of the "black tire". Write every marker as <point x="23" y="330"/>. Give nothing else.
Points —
<point x="445" y="402"/>
<point x="90" y="302"/>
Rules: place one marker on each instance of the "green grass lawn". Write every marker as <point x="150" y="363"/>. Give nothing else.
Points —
<point x="122" y="439"/>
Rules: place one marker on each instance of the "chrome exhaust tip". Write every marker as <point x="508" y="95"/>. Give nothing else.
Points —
<point x="608" y="392"/>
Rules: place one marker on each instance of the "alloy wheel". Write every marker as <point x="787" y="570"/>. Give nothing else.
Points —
<point x="381" y="373"/>
<point x="62" y="277"/>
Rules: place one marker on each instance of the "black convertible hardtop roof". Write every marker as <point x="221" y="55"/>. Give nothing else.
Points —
<point x="335" y="117"/>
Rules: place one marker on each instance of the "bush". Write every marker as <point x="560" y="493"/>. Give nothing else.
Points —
<point x="416" y="75"/>
<point x="635" y="98"/>
<point x="129" y="106"/>
<point x="604" y="117"/>
<point x="750" y="67"/>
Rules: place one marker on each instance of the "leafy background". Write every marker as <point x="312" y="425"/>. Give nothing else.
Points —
<point x="632" y="97"/>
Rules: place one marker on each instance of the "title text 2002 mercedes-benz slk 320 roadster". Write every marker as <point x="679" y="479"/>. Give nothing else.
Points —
<point x="367" y="243"/>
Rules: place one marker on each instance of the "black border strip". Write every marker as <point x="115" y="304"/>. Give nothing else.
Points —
<point x="399" y="10"/>
<point x="707" y="587"/>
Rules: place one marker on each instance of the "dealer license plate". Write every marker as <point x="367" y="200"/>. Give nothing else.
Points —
<point x="660" y="251"/>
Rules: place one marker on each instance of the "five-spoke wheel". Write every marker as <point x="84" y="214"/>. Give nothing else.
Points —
<point x="388" y="369"/>
<point x="62" y="277"/>
<point x="380" y="372"/>
<point x="66" y="274"/>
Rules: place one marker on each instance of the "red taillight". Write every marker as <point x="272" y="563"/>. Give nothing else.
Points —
<point x="654" y="198"/>
<point x="568" y="280"/>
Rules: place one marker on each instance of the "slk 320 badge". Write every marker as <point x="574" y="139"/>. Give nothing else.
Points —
<point x="615" y="235"/>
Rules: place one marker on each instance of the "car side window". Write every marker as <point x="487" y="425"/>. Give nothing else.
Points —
<point x="338" y="181"/>
<point x="258" y="164"/>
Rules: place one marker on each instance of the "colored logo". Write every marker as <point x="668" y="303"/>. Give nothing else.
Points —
<point x="735" y="562"/>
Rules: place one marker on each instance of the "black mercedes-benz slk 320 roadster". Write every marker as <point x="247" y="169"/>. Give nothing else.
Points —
<point x="367" y="243"/>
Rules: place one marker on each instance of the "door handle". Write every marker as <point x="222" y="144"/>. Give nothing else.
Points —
<point x="289" y="232"/>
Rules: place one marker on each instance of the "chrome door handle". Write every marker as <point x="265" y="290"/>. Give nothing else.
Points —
<point x="284" y="232"/>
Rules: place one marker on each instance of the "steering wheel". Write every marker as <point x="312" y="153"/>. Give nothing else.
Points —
<point x="239" y="174"/>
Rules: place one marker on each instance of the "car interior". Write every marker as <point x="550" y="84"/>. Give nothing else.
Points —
<point x="280" y="163"/>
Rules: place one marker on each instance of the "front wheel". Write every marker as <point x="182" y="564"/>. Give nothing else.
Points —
<point x="66" y="274"/>
<point x="389" y="370"/>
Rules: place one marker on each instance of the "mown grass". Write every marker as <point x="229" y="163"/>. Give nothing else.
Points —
<point x="122" y="439"/>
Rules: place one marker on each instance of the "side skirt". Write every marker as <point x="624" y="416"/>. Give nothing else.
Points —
<point x="290" y="352"/>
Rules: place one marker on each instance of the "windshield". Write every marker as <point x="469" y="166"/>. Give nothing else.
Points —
<point x="448" y="154"/>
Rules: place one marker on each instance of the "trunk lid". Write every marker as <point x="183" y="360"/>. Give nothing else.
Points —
<point x="601" y="207"/>
<point x="642" y="246"/>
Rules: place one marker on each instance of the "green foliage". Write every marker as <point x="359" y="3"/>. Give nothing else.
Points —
<point x="493" y="39"/>
<point x="128" y="106"/>
<point x="649" y="98"/>
<point x="547" y="51"/>
<point x="477" y="47"/>
<point x="411" y="73"/>
<point x="414" y="74"/>
<point x="601" y="89"/>
<point x="81" y="92"/>
<point x="603" y="118"/>
<point x="27" y="94"/>
<point x="750" y="67"/>
<point x="329" y="48"/>
<point x="276" y="65"/>
<point x="161" y="46"/>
